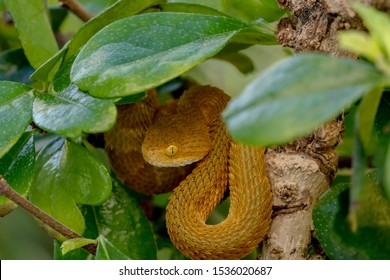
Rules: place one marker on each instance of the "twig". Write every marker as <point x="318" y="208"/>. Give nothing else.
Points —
<point x="77" y="9"/>
<point x="10" y="193"/>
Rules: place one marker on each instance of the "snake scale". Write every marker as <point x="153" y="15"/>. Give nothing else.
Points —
<point x="183" y="146"/>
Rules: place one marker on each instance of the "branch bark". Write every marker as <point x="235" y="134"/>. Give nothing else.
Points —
<point x="302" y="170"/>
<point x="77" y="9"/>
<point x="299" y="173"/>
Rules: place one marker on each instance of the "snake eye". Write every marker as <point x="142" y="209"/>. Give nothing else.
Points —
<point x="171" y="150"/>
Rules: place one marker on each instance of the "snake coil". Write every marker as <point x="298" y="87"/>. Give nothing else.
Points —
<point x="184" y="146"/>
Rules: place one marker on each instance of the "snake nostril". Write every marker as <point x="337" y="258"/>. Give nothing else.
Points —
<point x="171" y="150"/>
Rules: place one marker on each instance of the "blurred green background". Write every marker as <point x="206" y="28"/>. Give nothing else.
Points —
<point x="21" y="238"/>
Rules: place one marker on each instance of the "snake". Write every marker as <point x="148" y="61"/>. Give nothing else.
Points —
<point x="183" y="147"/>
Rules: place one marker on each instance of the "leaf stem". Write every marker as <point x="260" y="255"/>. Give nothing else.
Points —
<point x="77" y="9"/>
<point x="7" y="191"/>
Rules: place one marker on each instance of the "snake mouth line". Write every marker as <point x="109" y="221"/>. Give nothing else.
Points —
<point x="169" y="162"/>
<point x="176" y="163"/>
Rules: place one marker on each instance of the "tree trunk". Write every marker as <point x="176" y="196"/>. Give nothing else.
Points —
<point x="302" y="170"/>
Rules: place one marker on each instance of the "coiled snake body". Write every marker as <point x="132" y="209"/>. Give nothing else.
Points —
<point x="186" y="148"/>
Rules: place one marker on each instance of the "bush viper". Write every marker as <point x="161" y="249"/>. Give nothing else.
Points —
<point x="184" y="146"/>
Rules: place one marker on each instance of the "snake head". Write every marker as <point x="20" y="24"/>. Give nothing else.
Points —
<point x="176" y="140"/>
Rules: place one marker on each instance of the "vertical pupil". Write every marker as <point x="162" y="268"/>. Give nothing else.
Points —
<point x="171" y="150"/>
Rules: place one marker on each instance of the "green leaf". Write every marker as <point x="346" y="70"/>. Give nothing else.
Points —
<point x="378" y="23"/>
<point x="189" y="8"/>
<point x="14" y="66"/>
<point x="66" y="174"/>
<point x="251" y="11"/>
<point x="144" y="51"/>
<point x="107" y="251"/>
<point x="17" y="166"/>
<point x="75" y="243"/>
<point x="367" y="112"/>
<point x="360" y="43"/>
<point x="35" y="34"/>
<point x="67" y="111"/>
<point x="46" y="71"/>
<point x="376" y="45"/>
<point x="15" y="113"/>
<point x="382" y="129"/>
<point x="359" y="180"/>
<point x="117" y="11"/>
<point x="96" y="6"/>
<point x="241" y="61"/>
<point x="131" y="98"/>
<point x="259" y="33"/>
<point x="77" y="254"/>
<point x="121" y="220"/>
<point x="370" y="241"/>
<point x="296" y="96"/>
<point x="386" y="178"/>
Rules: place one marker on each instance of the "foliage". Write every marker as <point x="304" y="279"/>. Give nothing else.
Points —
<point x="133" y="45"/>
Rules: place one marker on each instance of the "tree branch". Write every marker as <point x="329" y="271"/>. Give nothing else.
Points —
<point x="299" y="173"/>
<point x="77" y="9"/>
<point x="11" y="194"/>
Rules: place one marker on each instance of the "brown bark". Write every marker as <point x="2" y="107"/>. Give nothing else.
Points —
<point x="299" y="173"/>
<point x="302" y="170"/>
<point x="314" y="24"/>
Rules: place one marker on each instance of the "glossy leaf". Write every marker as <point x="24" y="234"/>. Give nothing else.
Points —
<point x="251" y="11"/>
<point x="121" y="220"/>
<point x="144" y="51"/>
<point x="66" y="174"/>
<point x="75" y="243"/>
<point x="67" y="111"/>
<point x="46" y="71"/>
<point x="17" y="166"/>
<point x="35" y="34"/>
<point x="77" y="254"/>
<point x="259" y="33"/>
<point x="14" y="66"/>
<point x="369" y="241"/>
<point x="72" y="112"/>
<point x="296" y="96"/>
<point x="182" y="7"/>
<point x="15" y="113"/>
<point x="118" y="10"/>
<point x="107" y="251"/>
